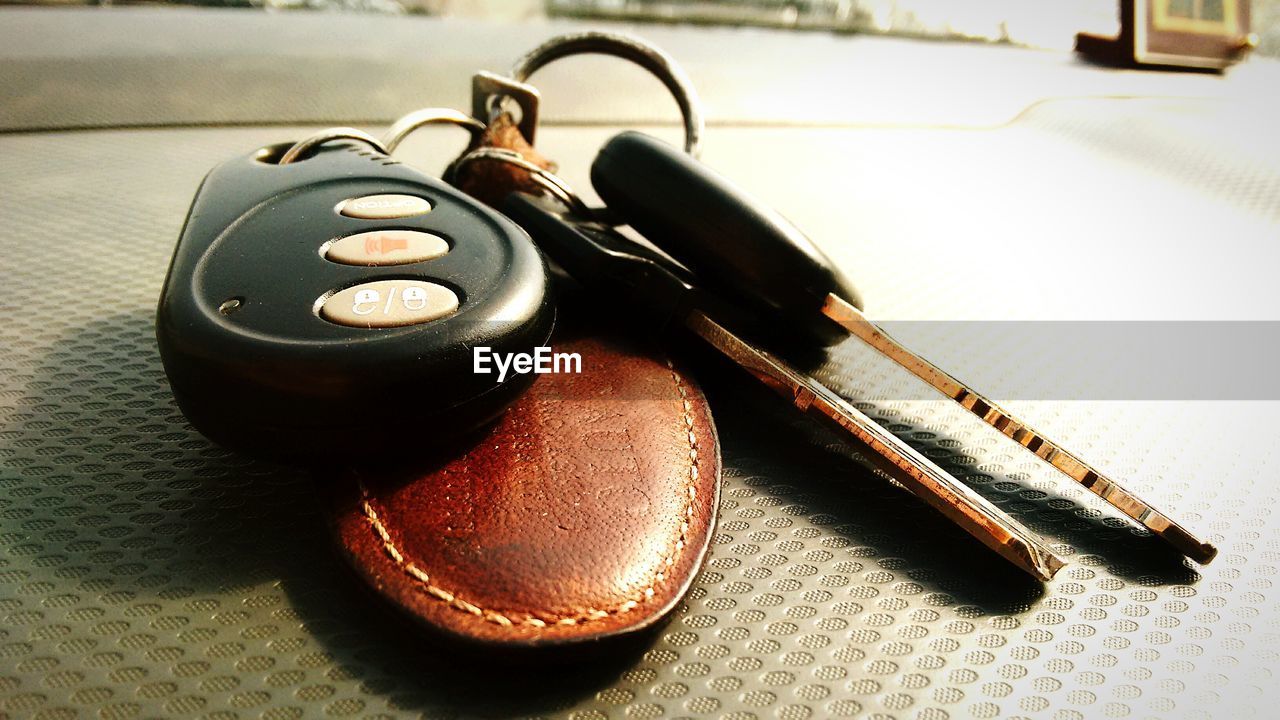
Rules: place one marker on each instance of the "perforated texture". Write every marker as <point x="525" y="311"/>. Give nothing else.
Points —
<point x="145" y="572"/>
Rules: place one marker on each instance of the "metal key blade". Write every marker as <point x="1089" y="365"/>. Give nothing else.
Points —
<point x="920" y="475"/>
<point x="657" y="294"/>
<point x="852" y="319"/>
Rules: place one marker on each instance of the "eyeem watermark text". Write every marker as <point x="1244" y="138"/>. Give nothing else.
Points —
<point x="484" y="361"/>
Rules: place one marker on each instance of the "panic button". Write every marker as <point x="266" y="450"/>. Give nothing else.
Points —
<point x="384" y="207"/>
<point x="389" y="303"/>
<point x="386" y="247"/>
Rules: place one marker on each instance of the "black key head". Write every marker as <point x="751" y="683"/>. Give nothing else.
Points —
<point x="737" y="247"/>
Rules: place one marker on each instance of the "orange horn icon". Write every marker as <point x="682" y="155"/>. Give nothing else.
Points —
<point x="383" y="244"/>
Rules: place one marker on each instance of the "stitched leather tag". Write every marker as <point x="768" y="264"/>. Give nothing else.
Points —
<point x="584" y="513"/>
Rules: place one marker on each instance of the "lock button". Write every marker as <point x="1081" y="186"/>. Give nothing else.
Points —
<point x="389" y="303"/>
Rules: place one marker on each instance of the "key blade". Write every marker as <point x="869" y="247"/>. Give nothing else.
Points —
<point x="920" y="475"/>
<point x="853" y="320"/>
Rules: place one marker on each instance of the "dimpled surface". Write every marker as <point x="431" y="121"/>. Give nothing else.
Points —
<point x="146" y="572"/>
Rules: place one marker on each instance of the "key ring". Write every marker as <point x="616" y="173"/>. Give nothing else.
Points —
<point x="392" y="138"/>
<point x="490" y="92"/>
<point x="402" y="127"/>
<point x="311" y="142"/>
<point x="656" y="61"/>
<point x="548" y="180"/>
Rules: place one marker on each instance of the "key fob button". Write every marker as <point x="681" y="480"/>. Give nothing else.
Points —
<point x="386" y="247"/>
<point x="384" y="207"/>
<point x="389" y="303"/>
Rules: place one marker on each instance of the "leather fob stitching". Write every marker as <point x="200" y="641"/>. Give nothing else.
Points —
<point x="582" y="616"/>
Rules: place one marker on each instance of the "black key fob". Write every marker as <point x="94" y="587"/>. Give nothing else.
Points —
<point x="330" y="307"/>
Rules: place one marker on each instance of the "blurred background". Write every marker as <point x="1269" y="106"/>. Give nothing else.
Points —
<point x="1031" y="23"/>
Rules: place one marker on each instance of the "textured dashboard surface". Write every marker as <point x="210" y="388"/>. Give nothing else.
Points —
<point x="146" y="572"/>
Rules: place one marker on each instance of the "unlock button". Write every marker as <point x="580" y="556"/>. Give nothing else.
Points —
<point x="389" y="303"/>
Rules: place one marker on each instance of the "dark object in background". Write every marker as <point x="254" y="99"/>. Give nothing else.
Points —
<point x="1174" y="34"/>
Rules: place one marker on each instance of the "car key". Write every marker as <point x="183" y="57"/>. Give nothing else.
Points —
<point x="756" y="257"/>
<point x="323" y="301"/>
<point x="659" y="293"/>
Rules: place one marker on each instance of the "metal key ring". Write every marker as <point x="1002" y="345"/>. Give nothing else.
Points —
<point x="401" y="128"/>
<point x="547" y="179"/>
<point x="651" y="58"/>
<point x="307" y="144"/>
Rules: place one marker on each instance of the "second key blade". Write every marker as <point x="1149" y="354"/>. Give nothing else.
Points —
<point x="852" y="319"/>
<point x="975" y="514"/>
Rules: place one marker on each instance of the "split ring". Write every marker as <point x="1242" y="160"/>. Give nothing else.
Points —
<point x="306" y="145"/>
<point x="401" y="128"/>
<point x="647" y="56"/>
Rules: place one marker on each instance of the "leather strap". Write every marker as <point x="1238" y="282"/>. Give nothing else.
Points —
<point x="490" y="181"/>
<point x="583" y="514"/>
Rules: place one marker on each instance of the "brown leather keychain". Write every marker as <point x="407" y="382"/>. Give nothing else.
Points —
<point x="585" y="512"/>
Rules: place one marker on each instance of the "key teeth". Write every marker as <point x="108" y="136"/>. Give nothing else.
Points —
<point x="857" y="324"/>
